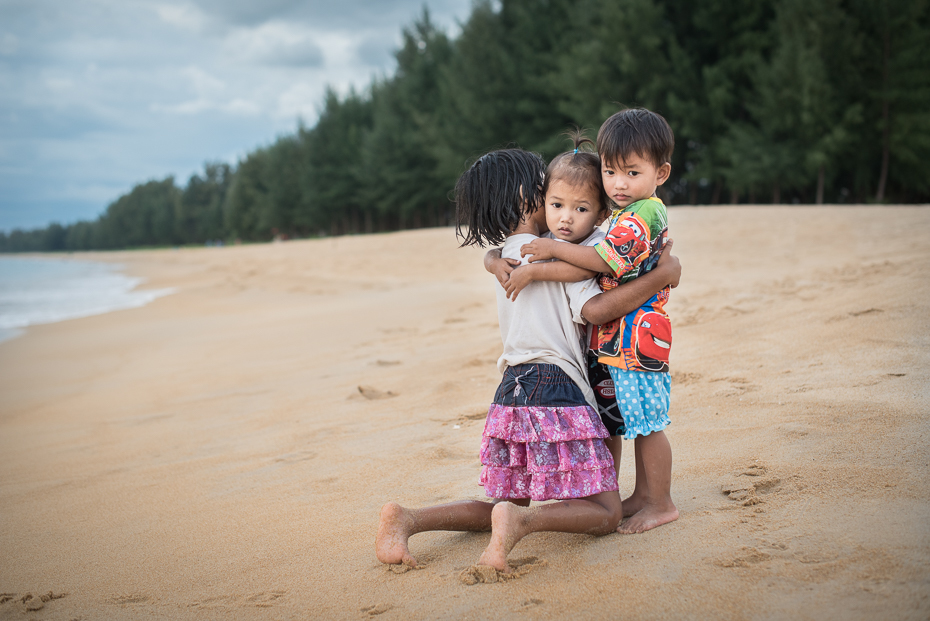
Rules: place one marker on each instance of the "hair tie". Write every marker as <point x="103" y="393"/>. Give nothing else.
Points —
<point x="576" y="151"/>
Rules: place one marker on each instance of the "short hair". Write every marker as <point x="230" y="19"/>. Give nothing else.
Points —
<point x="495" y="193"/>
<point x="578" y="167"/>
<point x="639" y="131"/>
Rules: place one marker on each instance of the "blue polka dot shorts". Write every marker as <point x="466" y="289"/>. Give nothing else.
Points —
<point x="643" y="399"/>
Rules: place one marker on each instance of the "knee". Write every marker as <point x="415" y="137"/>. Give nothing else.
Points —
<point x="614" y="517"/>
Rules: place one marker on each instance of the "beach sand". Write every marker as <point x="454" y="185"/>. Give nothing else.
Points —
<point x="223" y="452"/>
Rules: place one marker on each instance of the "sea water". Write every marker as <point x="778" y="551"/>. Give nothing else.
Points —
<point x="42" y="290"/>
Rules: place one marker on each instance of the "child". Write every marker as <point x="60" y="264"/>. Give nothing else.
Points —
<point x="635" y="147"/>
<point x="542" y="439"/>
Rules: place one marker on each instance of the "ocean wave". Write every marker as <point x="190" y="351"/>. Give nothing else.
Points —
<point x="40" y="290"/>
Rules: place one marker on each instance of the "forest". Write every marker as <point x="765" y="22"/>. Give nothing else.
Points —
<point x="771" y="101"/>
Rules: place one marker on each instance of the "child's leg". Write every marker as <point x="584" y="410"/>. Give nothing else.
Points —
<point x="637" y="499"/>
<point x="594" y="515"/>
<point x="615" y="446"/>
<point x="657" y="471"/>
<point x="397" y="524"/>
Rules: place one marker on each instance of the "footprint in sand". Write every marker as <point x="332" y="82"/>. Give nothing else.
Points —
<point x="749" y="485"/>
<point x="478" y="362"/>
<point x="377" y="609"/>
<point x="371" y="393"/>
<point x="794" y="430"/>
<point x="464" y="418"/>
<point x="265" y="599"/>
<point x="867" y="311"/>
<point x="485" y="574"/>
<point x="684" y="378"/>
<point x="735" y="386"/>
<point x="27" y="602"/>
<point x="293" y="458"/>
<point x="125" y="600"/>
<point x="746" y="558"/>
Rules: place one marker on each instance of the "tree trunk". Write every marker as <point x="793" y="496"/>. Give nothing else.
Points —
<point x="776" y="194"/>
<point x="734" y="197"/>
<point x="715" y="197"/>
<point x="692" y="193"/>
<point x="886" y="122"/>
<point x="820" y="176"/>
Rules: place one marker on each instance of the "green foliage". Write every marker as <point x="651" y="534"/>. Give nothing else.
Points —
<point x="144" y="217"/>
<point x="200" y="214"/>
<point x="334" y="177"/>
<point x="403" y="180"/>
<point x="781" y="100"/>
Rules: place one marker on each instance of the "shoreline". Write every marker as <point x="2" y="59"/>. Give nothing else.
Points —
<point x="211" y="453"/>
<point x="52" y="289"/>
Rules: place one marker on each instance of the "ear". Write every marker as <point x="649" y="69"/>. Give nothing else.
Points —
<point x="663" y="173"/>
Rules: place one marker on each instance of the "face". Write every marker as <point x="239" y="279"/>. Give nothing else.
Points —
<point x="572" y="212"/>
<point x="632" y="180"/>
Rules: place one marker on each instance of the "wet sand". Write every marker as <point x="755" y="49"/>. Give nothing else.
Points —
<point x="223" y="452"/>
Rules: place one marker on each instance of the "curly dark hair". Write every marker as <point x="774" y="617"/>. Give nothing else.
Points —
<point x="495" y="192"/>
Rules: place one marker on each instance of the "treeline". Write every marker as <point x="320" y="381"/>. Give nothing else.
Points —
<point x="771" y="101"/>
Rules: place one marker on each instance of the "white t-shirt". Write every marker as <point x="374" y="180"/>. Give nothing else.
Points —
<point x="544" y="324"/>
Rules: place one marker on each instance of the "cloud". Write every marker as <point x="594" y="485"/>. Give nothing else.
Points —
<point x="211" y="95"/>
<point x="98" y="95"/>
<point x="300" y="101"/>
<point x="183" y="16"/>
<point x="330" y="14"/>
<point x="276" y="43"/>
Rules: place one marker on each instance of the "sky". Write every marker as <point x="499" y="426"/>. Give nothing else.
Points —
<point x="99" y="95"/>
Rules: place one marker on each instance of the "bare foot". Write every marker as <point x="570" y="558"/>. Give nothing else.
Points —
<point x="508" y="526"/>
<point x="633" y="505"/>
<point x="648" y="518"/>
<point x="394" y="528"/>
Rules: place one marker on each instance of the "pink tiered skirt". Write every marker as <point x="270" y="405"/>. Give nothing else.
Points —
<point x="544" y="451"/>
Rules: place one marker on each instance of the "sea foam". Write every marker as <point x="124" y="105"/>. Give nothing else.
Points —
<point x="42" y="290"/>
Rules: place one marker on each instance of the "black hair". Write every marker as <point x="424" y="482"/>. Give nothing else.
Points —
<point x="639" y="131"/>
<point x="495" y="193"/>
<point x="578" y="167"/>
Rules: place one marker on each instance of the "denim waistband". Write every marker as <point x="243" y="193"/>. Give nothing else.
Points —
<point x="541" y="384"/>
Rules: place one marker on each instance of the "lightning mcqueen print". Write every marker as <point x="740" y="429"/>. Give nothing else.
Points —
<point x="642" y="340"/>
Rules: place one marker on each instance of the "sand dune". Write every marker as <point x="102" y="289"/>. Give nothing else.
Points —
<point x="223" y="452"/>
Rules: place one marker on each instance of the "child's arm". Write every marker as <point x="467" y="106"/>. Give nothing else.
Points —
<point x="585" y="257"/>
<point x="629" y="296"/>
<point x="501" y="268"/>
<point x="554" y="271"/>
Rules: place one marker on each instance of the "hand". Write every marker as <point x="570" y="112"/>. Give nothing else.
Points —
<point x="670" y="263"/>
<point x="539" y="250"/>
<point x="519" y="278"/>
<point x="502" y="268"/>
